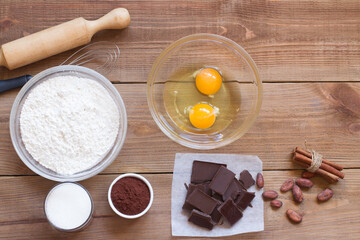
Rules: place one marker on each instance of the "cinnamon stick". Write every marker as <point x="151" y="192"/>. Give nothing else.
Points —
<point x="323" y="166"/>
<point x="308" y="154"/>
<point x="327" y="176"/>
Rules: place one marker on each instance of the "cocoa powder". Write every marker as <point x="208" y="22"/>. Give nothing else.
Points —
<point x="130" y="195"/>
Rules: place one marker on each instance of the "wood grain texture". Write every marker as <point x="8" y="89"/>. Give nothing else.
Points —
<point x="326" y="115"/>
<point x="21" y="211"/>
<point x="292" y="43"/>
<point x="289" y="40"/>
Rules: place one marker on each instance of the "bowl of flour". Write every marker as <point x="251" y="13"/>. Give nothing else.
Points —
<point x="68" y="123"/>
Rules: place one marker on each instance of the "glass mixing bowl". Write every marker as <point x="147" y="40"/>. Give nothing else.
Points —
<point x="240" y="80"/>
<point x="15" y="133"/>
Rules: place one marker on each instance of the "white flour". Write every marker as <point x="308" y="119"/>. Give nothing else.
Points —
<point x="68" y="123"/>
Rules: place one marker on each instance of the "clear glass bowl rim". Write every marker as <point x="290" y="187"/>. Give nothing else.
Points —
<point x="115" y="150"/>
<point x="151" y="80"/>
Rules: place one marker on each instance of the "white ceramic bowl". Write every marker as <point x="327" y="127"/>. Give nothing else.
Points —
<point x="147" y="184"/>
<point x="15" y="123"/>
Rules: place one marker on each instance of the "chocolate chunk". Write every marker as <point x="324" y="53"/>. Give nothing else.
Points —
<point x="216" y="215"/>
<point x="240" y="185"/>
<point x="207" y="189"/>
<point x="244" y="200"/>
<point x="230" y="212"/>
<point x="246" y="179"/>
<point x="233" y="188"/>
<point x="201" y="219"/>
<point x="217" y="196"/>
<point x="221" y="180"/>
<point x="200" y="200"/>
<point x="190" y="189"/>
<point x="204" y="171"/>
<point x="187" y="206"/>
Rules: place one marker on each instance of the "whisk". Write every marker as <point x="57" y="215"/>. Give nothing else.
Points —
<point x="100" y="56"/>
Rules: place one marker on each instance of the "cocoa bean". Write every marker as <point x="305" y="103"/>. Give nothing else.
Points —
<point x="276" y="203"/>
<point x="307" y="174"/>
<point x="294" y="216"/>
<point x="297" y="194"/>
<point x="259" y="180"/>
<point x="303" y="182"/>
<point x="325" y="195"/>
<point x="270" y="194"/>
<point x="287" y="185"/>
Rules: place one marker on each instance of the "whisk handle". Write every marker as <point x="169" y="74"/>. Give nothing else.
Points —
<point x="17" y="82"/>
<point x="58" y="39"/>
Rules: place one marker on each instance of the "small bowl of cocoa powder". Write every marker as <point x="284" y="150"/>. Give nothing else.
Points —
<point x="130" y="195"/>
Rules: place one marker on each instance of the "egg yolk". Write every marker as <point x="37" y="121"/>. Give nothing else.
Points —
<point x="202" y="116"/>
<point x="208" y="81"/>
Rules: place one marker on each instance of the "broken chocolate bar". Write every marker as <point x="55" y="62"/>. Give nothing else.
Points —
<point x="221" y="180"/>
<point x="230" y="212"/>
<point x="190" y="189"/>
<point x="201" y="219"/>
<point x="211" y="184"/>
<point x="246" y="179"/>
<point x="204" y="171"/>
<point x="233" y="188"/>
<point x="244" y="199"/>
<point x="200" y="200"/>
<point x="207" y="189"/>
<point x="216" y="215"/>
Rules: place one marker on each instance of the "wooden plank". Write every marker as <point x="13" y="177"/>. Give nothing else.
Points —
<point x="21" y="210"/>
<point x="326" y="115"/>
<point x="289" y="40"/>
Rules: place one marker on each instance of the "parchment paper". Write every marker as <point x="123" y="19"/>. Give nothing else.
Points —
<point x="253" y="218"/>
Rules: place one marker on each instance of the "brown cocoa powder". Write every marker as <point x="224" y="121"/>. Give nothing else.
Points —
<point x="130" y="195"/>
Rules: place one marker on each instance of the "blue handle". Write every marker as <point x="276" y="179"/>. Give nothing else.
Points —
<point x="9" y="84"/>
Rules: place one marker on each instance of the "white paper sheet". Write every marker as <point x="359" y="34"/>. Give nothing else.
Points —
<point x="253" y="218"/>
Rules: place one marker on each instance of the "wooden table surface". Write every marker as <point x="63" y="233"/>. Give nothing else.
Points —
<point x="308" y="55"/>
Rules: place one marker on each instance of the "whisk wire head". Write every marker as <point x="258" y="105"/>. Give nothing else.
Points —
<point x="101" y="56"/>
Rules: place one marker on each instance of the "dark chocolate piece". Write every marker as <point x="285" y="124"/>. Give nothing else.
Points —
<point x="204" y="171"/>
<point x="246" y="179"/>
<point x="217" y="196"/>
<point x="207" y="189"/>
<point x="222" y="180"/>
<point x="230" y="212"/>
<point x="201" y="219"/>
<point x="233" y="188"/>
<point x="200" y="200"/>
<point x="216" y="215"/>
<point x="244" y="200"/>
<point x="190" y="189"/>
<point x="240" y="185"/>
<point x="187" y="206"/>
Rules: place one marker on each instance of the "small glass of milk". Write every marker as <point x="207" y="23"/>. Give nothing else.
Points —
<point x="68" y="207"/>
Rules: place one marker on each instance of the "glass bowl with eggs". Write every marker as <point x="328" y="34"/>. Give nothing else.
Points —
<point x="68" y="123"/>
<point x="204" y="91"/>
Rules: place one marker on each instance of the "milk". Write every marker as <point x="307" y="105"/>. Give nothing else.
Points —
<point x="68" y="207"/>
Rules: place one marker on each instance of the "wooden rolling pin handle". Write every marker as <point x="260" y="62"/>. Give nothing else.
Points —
<point x="58" y="39"/>
<point x="116" y="19"/>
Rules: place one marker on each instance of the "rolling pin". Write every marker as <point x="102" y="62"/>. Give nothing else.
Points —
<point x="58" y="39"/>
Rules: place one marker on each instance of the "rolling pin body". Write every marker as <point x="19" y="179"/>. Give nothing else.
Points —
<point x="58" y="39"/>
